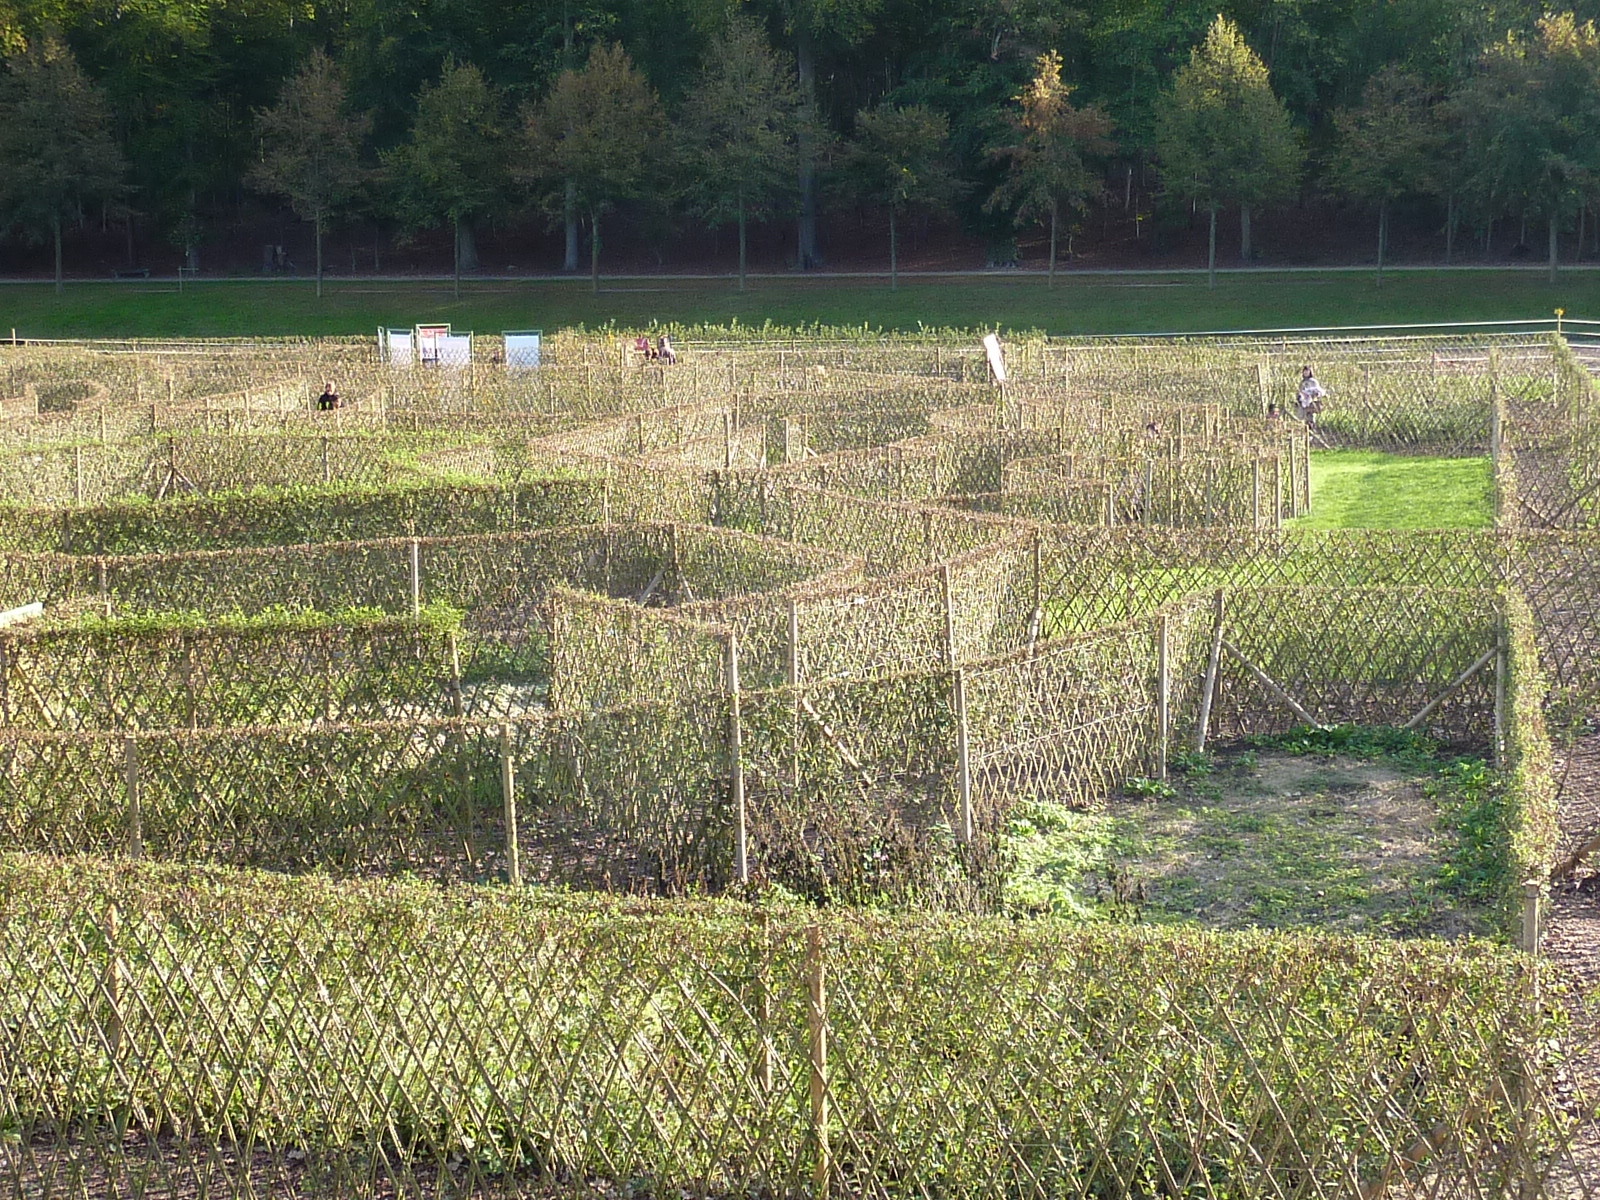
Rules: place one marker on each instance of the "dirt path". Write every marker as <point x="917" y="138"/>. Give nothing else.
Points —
<point x="1572" y="943"/>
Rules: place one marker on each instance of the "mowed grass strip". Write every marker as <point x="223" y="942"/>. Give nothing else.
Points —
<point x="1364" y="489"/>
<point x="1081" y="303"/>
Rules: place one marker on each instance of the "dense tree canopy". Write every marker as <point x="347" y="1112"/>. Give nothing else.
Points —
<point x="1173" y="113"/>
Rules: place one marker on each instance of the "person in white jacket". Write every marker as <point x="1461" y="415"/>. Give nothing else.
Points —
<point x="1309" y="397"/>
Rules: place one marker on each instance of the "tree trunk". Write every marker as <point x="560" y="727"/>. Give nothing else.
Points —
<point x="1244" y="233"/>
<point x="1449" y="227"/>
<point x="55" y="228"/>
<point x="318" y="224"/>
<point x="894" y="251"/>
<point x="807" y="257"/>
<point x="1553" y="244"/>
<point x="742" y="242"/>
<point x="1211" y="253"/>
<point x="1383" y="235"/>
<point x="128" y="225"/>
<point x="1055" y="210"/>
<point x="570" y="214"/>
<point x="1583" y="218"/>
<point x="468" y="239"/>
<point x="594" y="252"/>
<point x="457" y="240"/>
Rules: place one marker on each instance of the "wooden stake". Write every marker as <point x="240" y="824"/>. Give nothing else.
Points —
<point x="792" y="676"/>
<point x="963" y="755"/>
<point x="77" y="474"/>
<point x="1255" y="494"/>
<point x="1532" y="903"/>
<point x="416" y="577"/>
<point x="1502" y="664"/>
<point x="508" y="793"/>
<point x="1208" y="690"/>
<point x="1163" y="695"/>
<point x="949" y="616"/>
<point x="741" y="847"/>
<point x="1277" y="491"/>
<point x="130" y="774"/>
<point x="817" y="1028"/>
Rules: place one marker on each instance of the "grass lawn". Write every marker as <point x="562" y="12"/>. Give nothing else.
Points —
<point x="1078" y="304"/>
<point x="1362" y="489"/>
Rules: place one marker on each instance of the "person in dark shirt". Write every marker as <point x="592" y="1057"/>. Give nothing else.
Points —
<point x="329" y="400"/>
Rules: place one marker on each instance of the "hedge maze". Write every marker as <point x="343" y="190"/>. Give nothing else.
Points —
<point x="316" y="699"/>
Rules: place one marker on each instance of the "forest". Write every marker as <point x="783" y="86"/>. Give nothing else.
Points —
<point x="141" y="135"/>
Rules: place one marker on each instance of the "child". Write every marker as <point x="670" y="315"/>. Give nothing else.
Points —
<point x="329" y="400"/>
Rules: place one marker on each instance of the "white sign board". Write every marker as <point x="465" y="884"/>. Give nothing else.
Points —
<point x="428" y="339"/>
<point x="455" y="350"/>
<point x="398" y="348"/>
<point x="996" y="356"/>
<point x="523" y="347"/>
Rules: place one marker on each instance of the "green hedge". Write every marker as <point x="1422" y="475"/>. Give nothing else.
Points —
<point x="398" y="1032"/>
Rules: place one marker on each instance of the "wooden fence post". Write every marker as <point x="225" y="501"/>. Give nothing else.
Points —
<point x="508" y="793"/>
<point x="792" y="677"/>
<point x="1163" y="695"/>
<point x="77" y="474"/>
<point x="1255" y="494"/>
<point x="1277" y="491"/>
<point x="741" y="845"/>
<point x="963" y="754"/>
<point x="945" y="588"/>
<point x="1502" y="670"/>
<point x="327" y="474"/>
<point x="1532" y="916"/>
<point x="1208" y="690"/>
<point x="817" y="1028"/>
<point x="130" y="775"/>
<point x="416" y="577"/>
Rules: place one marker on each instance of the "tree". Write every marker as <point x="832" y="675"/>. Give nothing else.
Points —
<point x="56" y="152"/>
<point x="1047" y="165"/>
<point x="1224" y="138"/>
<point x="1386" y="146"/>
<point x="898" y="159"/>
<point x="311" y="146"/>
<point x="454" y="166"/>
<point x="589" y="141"/>
<point x="1530" y="122"/>
<point x="741" y="127"/>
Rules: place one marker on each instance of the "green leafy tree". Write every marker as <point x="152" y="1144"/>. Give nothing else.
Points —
<point x="1530" y="123"/>
<point x="454" y="167"/>
<point x="1224" y="138"/>
<point x="1387" y="146"/>
<point x="589" y="142"/>
<point x="56" y="150"/>
<point x="899" y="160"/>
<point x="740" y="132"/>
<point x="311" y="146"/>
<point x="1049" y="165"/>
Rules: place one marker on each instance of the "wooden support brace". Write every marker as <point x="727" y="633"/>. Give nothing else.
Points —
<point x="1272" y="685"/>
<point x="1450" y="688"/>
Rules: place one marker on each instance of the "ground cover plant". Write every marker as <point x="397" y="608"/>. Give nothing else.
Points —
<point x="824" y="625"/>
<point x="1302" y="829"/>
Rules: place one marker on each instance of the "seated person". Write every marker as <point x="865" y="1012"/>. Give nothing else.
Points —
<point x="664" y="350"/>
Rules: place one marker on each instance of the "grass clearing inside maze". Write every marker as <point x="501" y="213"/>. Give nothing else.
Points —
<point x="1397" y="844"/>
<point x="1363" y="489"/>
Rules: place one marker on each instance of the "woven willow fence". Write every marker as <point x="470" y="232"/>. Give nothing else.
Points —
<point x="164" y="1030"/>
<point x="870" y="783"/>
